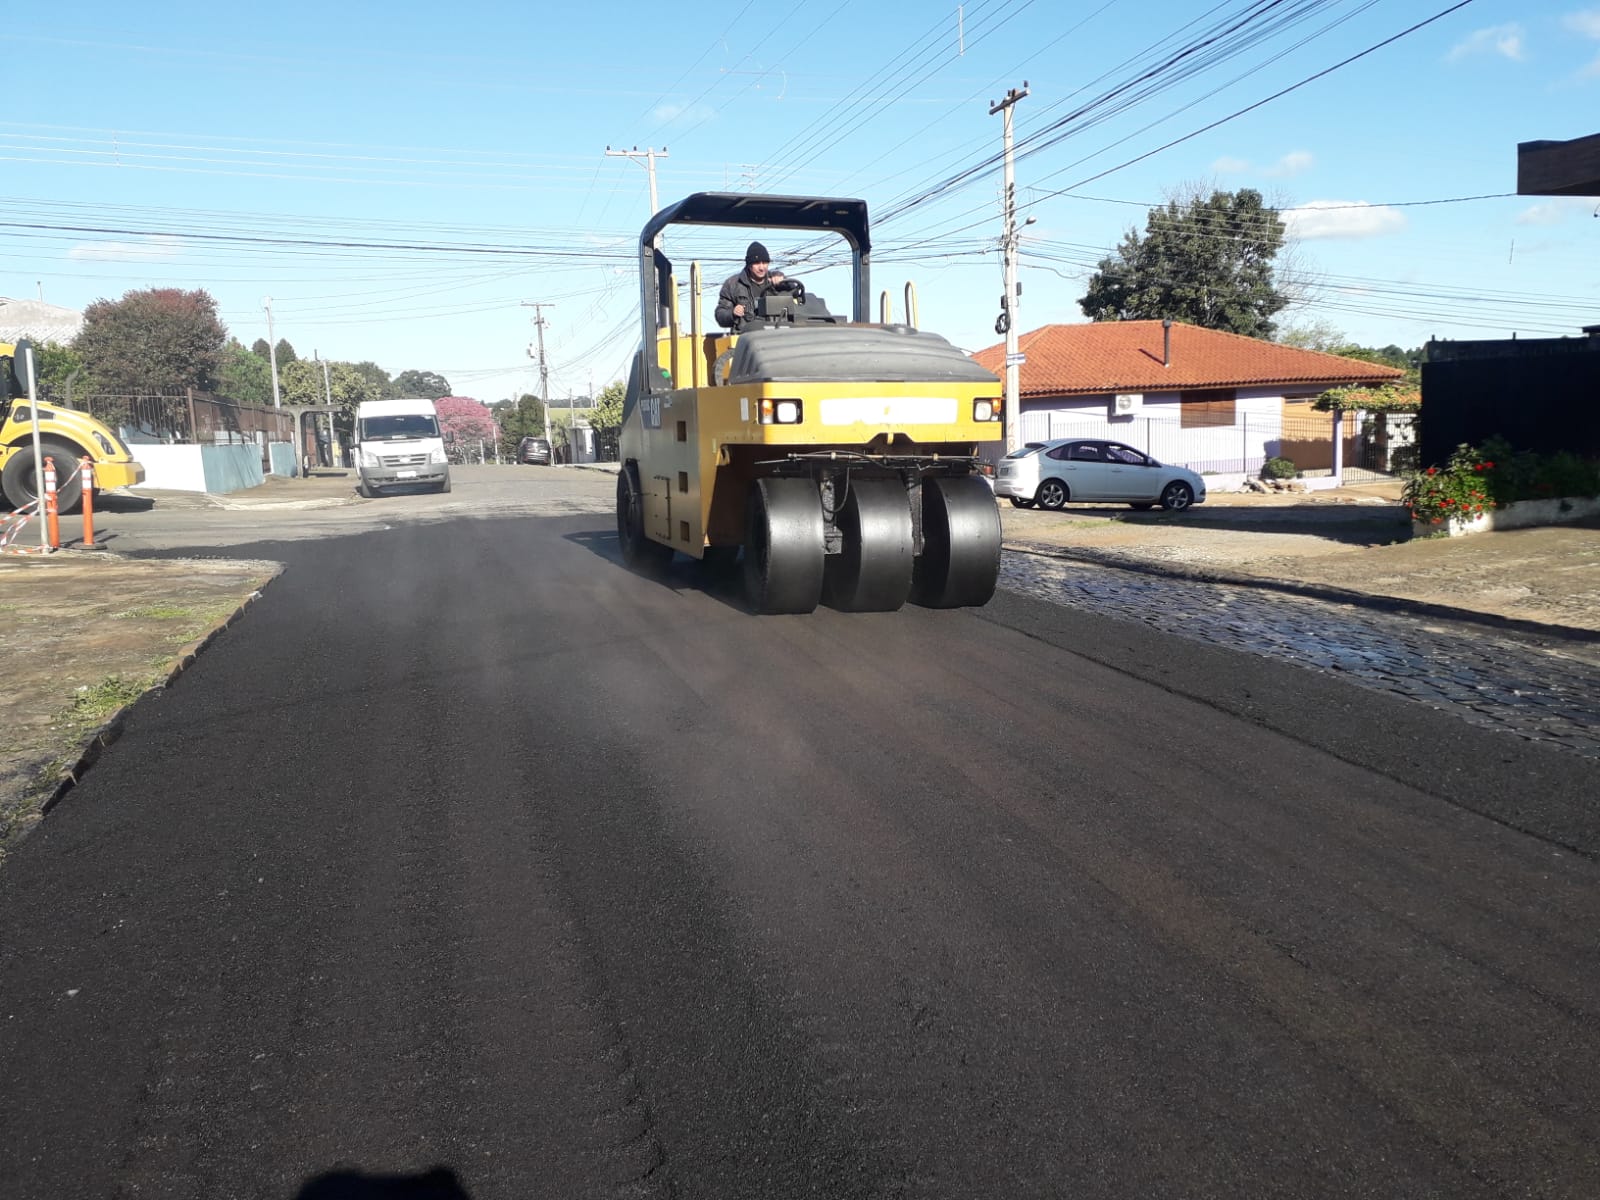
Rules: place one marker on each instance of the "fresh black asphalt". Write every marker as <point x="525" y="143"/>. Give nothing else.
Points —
<point x="470" y="851"/>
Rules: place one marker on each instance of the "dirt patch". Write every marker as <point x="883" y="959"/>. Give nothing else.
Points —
<point x="82" y="635"/>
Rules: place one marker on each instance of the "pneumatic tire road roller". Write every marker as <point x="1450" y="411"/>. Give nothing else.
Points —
<point x="836" y="460"/>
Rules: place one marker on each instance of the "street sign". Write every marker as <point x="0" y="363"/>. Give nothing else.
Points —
<point x="1016" y="360"/>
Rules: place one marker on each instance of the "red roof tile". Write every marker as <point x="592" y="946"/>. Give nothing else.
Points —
<point x="1126" y="356"/>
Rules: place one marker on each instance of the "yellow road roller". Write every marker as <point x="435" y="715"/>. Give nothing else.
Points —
<point x="834" y="459"/>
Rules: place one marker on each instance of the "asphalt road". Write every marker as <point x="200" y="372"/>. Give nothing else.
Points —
<point x="469" y="849"/>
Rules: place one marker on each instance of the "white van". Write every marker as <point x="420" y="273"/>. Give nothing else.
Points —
<point x="398" y="443"/>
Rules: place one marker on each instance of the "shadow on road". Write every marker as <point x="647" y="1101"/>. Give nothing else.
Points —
<point x="440" y="1183"/>
<point x="1373" y="527"/>
<point x="122" y="502"/>
<point x="720" y="581"/>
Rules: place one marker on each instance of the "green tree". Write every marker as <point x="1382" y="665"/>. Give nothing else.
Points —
<point x="58" y="371"/>
<point x="243" y="376"/>
<point x="605" y="417"/>
<point x="377" y="378"/>
<point x="260" y="349"/>
<point x="1320" y="335"/>
<point x="519" y="418"/>
<point x="159" y="339"/>
<point x="1314" y="335"/>
<point x="1204" y="260"/>
<point x="286" y="353"/>
<point x="301" y="382"/>
<point x="425" y="384"/>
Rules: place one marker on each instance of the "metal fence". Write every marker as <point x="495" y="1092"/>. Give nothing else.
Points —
<point x="190" y="418"/>
<point x="1374" y="445"/>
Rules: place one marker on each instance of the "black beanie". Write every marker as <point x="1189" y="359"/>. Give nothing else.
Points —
<point x="756" y="253"/>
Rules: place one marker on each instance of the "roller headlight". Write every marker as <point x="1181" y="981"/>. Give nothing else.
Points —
<point x="105" y="443"/>
<point x="987" y="410"/>
<point x="781" y="412"/>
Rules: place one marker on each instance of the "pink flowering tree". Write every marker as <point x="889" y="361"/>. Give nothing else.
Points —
<point x="464" y="420"/>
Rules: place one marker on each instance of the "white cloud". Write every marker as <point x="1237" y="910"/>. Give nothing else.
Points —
<point x="156" y="249"/>
<point x="666" y="114"/>
<point x="1342" y="219"/>
<point x="1586" y="22"/>
<point x="1554" y="210"/>
<point x="1292" y="163"/>
<point x="1504" y="40"/>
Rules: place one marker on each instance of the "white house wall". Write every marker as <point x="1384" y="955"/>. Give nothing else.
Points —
<point x="1156" y="427"/>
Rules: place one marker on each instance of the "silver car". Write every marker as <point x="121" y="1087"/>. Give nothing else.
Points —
<point x="1092" y="471"/>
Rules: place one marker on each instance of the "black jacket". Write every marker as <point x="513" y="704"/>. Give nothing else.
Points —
<point x="744" y="289"/>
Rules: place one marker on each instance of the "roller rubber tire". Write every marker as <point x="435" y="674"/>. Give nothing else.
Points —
<point x="872" y="571"/>
<point x="1052" y="495"/>
<point x="960" y="562"/>
<point x="638" y="551"/>
<point x="1177" y="496"/>
<point x="784" y="553"/>
<point x="20" y="480"/>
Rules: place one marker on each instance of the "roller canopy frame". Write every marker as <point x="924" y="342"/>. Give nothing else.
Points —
<point x="806" y="214"/>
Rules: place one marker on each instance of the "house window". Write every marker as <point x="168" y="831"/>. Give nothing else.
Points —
<point x="1208" y="409"/>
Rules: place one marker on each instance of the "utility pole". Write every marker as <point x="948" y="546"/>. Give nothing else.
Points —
<point x="1008" y="302"/>
<point x="649" y="155"/>
<point x="272" y="354"/>
<point x="539" y="323"/>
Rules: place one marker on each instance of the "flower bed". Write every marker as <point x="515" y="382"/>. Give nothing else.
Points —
<point x="1519" y="514"/>
<point x="1495" y="487"/>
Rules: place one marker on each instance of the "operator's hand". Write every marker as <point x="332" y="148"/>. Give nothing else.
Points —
<point x="738" y="310"/>
<point x="775" y="276"/>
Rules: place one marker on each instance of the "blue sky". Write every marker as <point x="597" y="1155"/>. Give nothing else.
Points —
<point x="400" y="179"/>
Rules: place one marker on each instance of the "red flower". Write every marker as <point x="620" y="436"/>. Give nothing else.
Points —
<point x="1488" y="466"/>
<point x="1435" y="521"/>
<point x="1477" y="466"/>
<point x="1431" y="471"/>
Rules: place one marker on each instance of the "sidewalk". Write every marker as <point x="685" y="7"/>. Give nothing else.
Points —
<point x="1347" y="545"/>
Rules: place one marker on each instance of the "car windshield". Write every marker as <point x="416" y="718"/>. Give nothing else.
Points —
<point x="399" y="425"/>
<point x="1025" y="450"/>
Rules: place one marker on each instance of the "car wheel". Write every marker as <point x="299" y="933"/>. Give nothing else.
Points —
<point x="1020" y="502"/>
<point x="1052" y="494"/>
<point x="1177" y="496"/>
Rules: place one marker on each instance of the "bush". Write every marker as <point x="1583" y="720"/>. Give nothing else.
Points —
<point x="1478" y="479"/>
<point x="1279" y="468"/>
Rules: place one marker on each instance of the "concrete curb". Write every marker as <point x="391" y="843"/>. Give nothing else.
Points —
<point x="111" y="729"/>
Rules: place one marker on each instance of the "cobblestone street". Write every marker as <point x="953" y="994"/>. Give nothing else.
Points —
<point x="1534" y="687"/>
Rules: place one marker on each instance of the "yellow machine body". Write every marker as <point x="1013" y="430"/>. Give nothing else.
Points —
<point x="836" y="458"/>
<point x="60" y="428"/>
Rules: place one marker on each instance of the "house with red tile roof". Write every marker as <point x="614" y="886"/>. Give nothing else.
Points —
<point x="1216" y="402"/>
